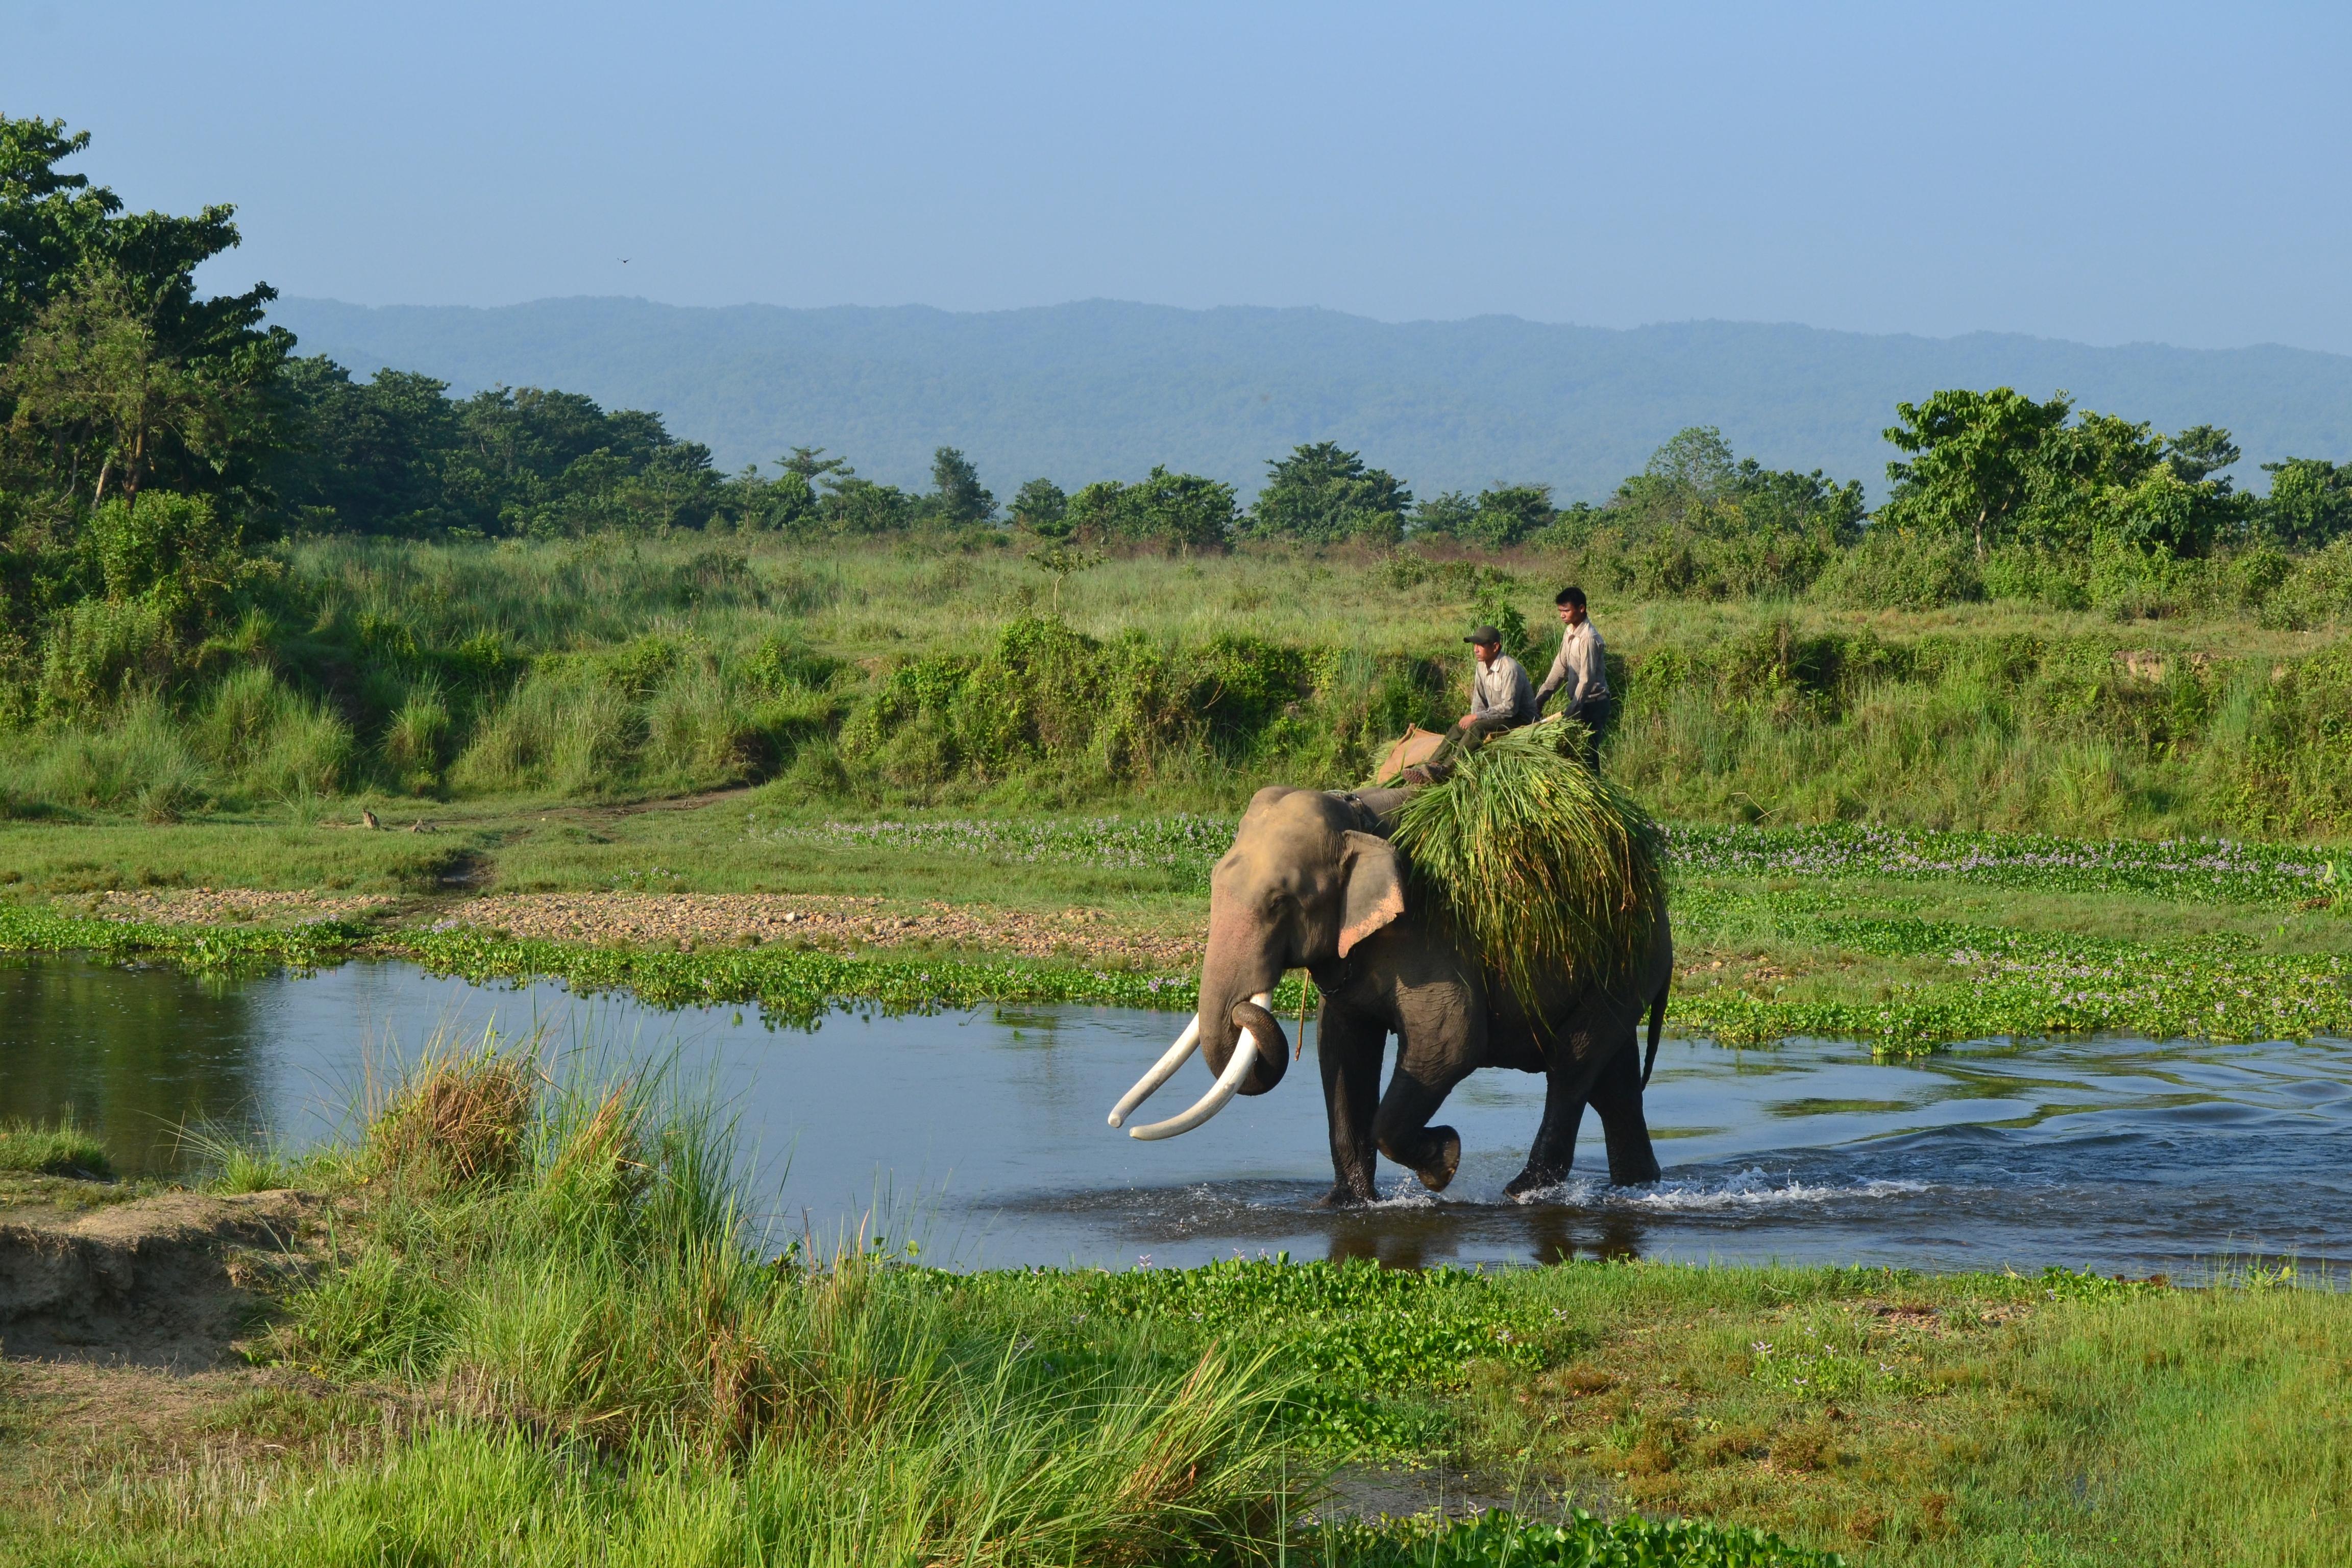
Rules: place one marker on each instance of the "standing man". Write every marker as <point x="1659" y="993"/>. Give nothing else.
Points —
<point x="1581" y="671"/>
<point x="1500" y="698"/>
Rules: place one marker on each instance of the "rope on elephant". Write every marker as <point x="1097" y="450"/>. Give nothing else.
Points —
<point x="1545" y="868"/>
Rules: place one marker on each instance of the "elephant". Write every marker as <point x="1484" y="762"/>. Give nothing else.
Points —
<point x="1312" y="882"/>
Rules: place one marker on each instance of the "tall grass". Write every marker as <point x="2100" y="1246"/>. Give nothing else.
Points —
<point x="571" y="1266"/>
<point x="897" y="676"/>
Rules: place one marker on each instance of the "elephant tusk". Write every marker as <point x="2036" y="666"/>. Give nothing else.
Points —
<point x="1161" y="1071"/>
<point x="1228" y="1084"/>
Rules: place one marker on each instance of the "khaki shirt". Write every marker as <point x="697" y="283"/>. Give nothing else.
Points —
<point x="1502" y="688"/>
<point x="1582" y="669"/>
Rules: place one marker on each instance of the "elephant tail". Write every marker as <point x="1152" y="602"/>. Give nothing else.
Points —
<point x="1658" y="1026"/>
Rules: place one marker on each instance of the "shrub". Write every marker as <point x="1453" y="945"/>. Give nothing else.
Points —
<point x="2316" y="592"/>
<point x="572" y="735"/>
<point x="1893" y="570"/>
<point x="97" y="652"/>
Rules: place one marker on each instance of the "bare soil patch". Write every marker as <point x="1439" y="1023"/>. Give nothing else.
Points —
<point x="229" y="906"/>
<point x="642" y="919"/>
<point x="166" y="1283"/>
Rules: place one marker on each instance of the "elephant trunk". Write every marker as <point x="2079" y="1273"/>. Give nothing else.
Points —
<point x="1235" y="1031"/>
<point x="1239" y="970"/>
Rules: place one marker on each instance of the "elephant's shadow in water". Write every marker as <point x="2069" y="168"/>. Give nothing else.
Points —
<point x="1425" y="1239"/>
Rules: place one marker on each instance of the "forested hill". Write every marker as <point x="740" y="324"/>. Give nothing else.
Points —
<point x="1074" y="392"/>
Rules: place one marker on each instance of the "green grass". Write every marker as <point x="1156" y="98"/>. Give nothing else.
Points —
<point x="1548" y="870"/>
<point x="877" y="679"/>
<point x="544" y="1322"/>
<point x="610" y="1368"/>
<point x="58" y="1149"/>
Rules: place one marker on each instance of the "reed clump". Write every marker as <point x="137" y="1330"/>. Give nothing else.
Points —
<point x="459" y="1119"/>
<point x="1547" y="869"/>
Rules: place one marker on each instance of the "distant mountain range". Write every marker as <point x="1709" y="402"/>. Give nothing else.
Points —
<point x="1103" y="389"/>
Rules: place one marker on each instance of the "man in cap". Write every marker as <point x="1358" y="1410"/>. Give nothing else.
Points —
<point x="1582" y="671"/>
<point x="1500" y="697"/>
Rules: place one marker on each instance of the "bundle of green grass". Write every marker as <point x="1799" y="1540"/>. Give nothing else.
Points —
<point x="1543" y="868"/>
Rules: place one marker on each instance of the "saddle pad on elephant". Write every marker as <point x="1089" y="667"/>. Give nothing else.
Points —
<point x="1418" y="746"/>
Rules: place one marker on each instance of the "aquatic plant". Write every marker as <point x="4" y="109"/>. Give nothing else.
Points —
<point x="1501" y="1539"/>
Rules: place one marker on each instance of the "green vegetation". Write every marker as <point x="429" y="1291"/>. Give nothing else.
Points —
<point x="542" y="1312"/>
<point x="62" y="1149"/>
<point x="1909" y="940"/>
<point x="1543" y="866"/>
<point x="231" y="580"/>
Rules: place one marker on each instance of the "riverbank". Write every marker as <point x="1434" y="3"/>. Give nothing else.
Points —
<point x="714" y="1393"/>
<point x="1910" y="939"/>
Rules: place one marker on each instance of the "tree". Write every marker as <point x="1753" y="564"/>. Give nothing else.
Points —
<point x="957" y="495"/>
<point x="1496" y="518"/>
<point x="1322" y="494"/>
<point x="811" y="464"/>
<point x="1176" y="511"/>
<point x="1039" y="507"/>
<point x="2310" y="503"/>
<point x="1509" y="515"/>
<point x="856" y="506"/>
<point x="1446" y="515"/>
<point x="1181" y="511"/>
<point x="95" y="396"/>
<point x="57" y="232"/>
<point x="2199" y="452"/>
<point x="364" y="455"/>
<point x="1974" y="461"/>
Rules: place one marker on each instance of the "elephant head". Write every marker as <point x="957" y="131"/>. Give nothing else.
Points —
<point x="1300" y="887"/>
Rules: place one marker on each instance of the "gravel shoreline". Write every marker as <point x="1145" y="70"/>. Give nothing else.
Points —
<point x="689" y="921"/>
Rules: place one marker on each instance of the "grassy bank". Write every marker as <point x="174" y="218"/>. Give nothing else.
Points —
<point x="536" y="1319"/>
<point x="873" y="679"/>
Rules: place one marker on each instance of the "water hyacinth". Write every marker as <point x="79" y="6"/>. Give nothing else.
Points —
<point x="2230" y="870"/>
<point x="1545" y="868"/>
<point x="2222" y="868"/>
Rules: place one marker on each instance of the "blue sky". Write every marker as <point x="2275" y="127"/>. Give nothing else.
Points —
<point x="2109" y="173"/>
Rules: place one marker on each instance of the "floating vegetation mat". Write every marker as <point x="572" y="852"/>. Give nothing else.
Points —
<point x="2218" y="868"/>
<point x="2019" y="985"/>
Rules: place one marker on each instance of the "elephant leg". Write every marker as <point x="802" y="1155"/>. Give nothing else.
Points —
<point x="1554" y="1153"/>
<point x="1402" y="1125"/>
<point x="1348" y="1049"/>
<point x="1617" y="1096"/>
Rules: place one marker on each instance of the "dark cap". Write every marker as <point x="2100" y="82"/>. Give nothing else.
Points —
<point x="1485" y="637"/>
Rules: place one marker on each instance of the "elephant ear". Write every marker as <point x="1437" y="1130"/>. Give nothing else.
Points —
<point x="1375" y="888"/>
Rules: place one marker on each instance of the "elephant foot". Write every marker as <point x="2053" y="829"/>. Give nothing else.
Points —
<point x="1531" y="1180"/>
<point x="1344" y="1196"/>
<point x="1635" y="1173"/>
<point x="1438" y="1174"/>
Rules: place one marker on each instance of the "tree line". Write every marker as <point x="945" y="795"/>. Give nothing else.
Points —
<point x="151" y="440"/>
